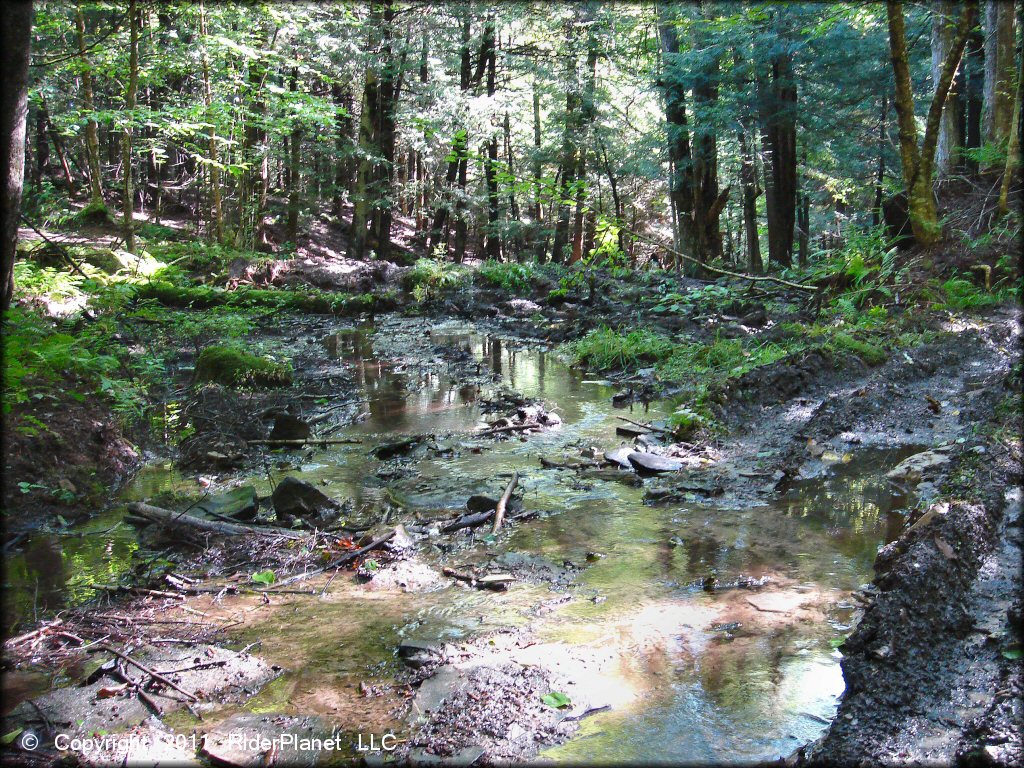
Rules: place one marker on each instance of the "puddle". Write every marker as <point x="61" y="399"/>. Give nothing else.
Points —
<point x="755" y="690"/>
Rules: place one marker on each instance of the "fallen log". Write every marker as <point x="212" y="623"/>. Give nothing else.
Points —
<point x="468" y="521"/>
<point x="179" y="519"/>
<point x="499" y="512"/>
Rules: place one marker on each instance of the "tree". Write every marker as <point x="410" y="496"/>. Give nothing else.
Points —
<point x="128" y="203"/>
<point x="15" y="47"/>
<point x="919" y="161"/>
<point x="999" y="69"/>
<point x="92" y="141"/>
<point x="951" y="126"/>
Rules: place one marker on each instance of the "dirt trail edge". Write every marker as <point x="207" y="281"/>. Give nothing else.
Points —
<point x="932" y="670"/>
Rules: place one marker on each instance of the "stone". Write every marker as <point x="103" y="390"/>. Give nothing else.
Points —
<point x="913" y="468"/>
<point x="240" y="503"/>
<point x="481" y="503"/>
<point x="619" y="456"/>
<point x="652" y="462"/>
<point x="296" y="498"/>
<point x="288" y="427"/>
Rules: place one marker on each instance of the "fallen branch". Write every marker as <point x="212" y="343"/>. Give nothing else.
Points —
<point x="307" y="441"/>
<point x="167" y="517"/>
<point x="660" y="430"/>
<point x="339" y="562"/>
<point x="502" y="430"/>
<point x="719" y="271"/>
<point x="499" y="511"/>
<point x="496" y="581"/>
<point x="135" y="591"/>
<point x="155" y="675"/>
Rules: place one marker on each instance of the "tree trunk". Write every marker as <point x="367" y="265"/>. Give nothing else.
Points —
<point x="748" y="180"/>
<point x="214" y="166"/>
<point x="92" y="141"/>
<point x="918" y="162"/>
<point x="15" y="47"/>
<point x="999" y="70"/>
<point x="1012" y="149"/>
<point x="569" y="160"/>
<point x="778" y="101"/>
<point x="342" y="97"/>
<point x="975" y="66"/>
<point x="358" y="235"/>
<point x="128" y="204"/>
<point x="876" y="209"/>
<point x="294" y="163"/>
<point x="951" y="138"/>
<point x="492" y="241"/>
<point x="391" y="78"/>
<point x="588" y="113"/>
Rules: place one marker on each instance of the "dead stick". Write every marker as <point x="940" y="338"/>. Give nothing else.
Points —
<point x="135" y="591"/>
<point x="651" y="427"/>
<point x="155" y="675"/>
<point x="344" y="559"/>
<point x="499" y="511"/>
<point x="310" y="441"/>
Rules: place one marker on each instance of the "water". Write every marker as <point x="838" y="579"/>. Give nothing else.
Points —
<point x="690" y="690"/>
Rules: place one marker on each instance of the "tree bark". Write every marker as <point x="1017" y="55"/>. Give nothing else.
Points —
<point x="342" y="97"/>
<point x="15" y="47"/>
<point x="492" y="241"/>
<point x="778" y="100"/>
<point x="951" y="138"/>
<point x="748" y="181"/>
<point x="918" y="162"/>
<point x="1000" y="21"/>
<point x="294" y="163"/>
<point x="1012" y="149"/>
<point x="92" y="141"/>
<point x="974" y="64"/>
<point x="128" y="203"/>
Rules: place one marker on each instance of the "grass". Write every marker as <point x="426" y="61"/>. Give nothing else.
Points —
<point x="604" y="349"/>
<point x="512" y="277"/>
<point x="961" y="295"/>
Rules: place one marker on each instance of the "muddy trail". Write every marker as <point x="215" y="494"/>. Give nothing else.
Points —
<point x="443" y="545"/>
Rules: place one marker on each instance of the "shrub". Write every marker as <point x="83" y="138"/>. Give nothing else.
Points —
<point x="512" y="276"/>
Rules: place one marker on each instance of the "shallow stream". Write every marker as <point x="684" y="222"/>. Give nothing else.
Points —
<point x="704" y="675"/>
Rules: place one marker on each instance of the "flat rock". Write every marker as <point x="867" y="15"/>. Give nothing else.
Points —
<point x="240" y="741"/>
<point x="652" y="462"/>
<point x="240" y="503"/>
<point x="913" y="468"/>
<point x="619" y="456"/>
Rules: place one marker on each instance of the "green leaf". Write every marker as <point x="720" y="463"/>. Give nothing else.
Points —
<point x="1014" y="652"/>
<point x="556" y="699"/>
<point x="264" y="577"/>
<point x="8" y="738"/>
<point x="371" y="565"/>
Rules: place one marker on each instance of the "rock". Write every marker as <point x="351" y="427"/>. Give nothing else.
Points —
<point x="240" y="503"/>
<point x="652" y="462"/>
<point x="521" y="307"/>
<point x="464" y="757"/>
<point x="549" y="419"/>
<point x="913" y="468"/>
<point x="238" y="741"/>
<point x="620" y="399"/>
<point x="590" y="452"/>
<point x="296" y="498"/>
<point x="480" y="503"/>
<point x="619" y="456"/>
<point x="416" y="653"/>
<point x="630" y="431"/>
<point x="288" y="427"/>
<point x="391" y="450"/>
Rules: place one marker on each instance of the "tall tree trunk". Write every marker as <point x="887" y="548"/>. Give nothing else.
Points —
<point x="974" y="59"/>
<point x="58" y="144"/>
<point x="588" y="113"/>
<point x="876" y="208"/>
<point x="748" y="181"/>
<point x="294" y="163"/>
<point x="492" y="241"/>
<point x="1013" y="160"/>
<point x="459" y="146"/>
<point x="570" y="149"/>
<point x="392" y="72"/>
<point x="343" y="121"/>
<point x="951" y="138"/>
<point x="777" y="103"/>
<point x="1000" y="21"/>
<point x="128" y="204"/>
<point x="15" y="47"/>
<point x="41" y="165"/>
<point x="214" y="165"/>
<point x="254" y="179"/>
<point x="918" y="162"/>
<point x="803" y="218"/>
<point x="92" y="141"/>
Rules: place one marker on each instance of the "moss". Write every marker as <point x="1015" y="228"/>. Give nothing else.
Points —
<point x="233" y="367"/>
<point x="316" y="302"/>
<point x="94" y="213"/>
<point x="871" y="354"/>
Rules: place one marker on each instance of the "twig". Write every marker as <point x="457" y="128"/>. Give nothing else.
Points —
<point x="343" y="560"/>
<point x="155" y="675"/>
<point x="499" y="511"/>
<point x="651" y="427"/>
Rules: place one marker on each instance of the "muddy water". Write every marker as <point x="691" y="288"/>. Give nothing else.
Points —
<point x="704" y="675"/>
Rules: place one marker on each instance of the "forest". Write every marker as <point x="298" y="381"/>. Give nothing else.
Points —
<point x="468" y="383"/>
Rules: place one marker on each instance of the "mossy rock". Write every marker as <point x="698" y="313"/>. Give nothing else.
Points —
<point x="233" y="367"/>
<point x="317" y="302"/>
<point x="95" y="213"/>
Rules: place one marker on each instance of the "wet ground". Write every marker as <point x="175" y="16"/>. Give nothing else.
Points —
<point x="698" y="629"/>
